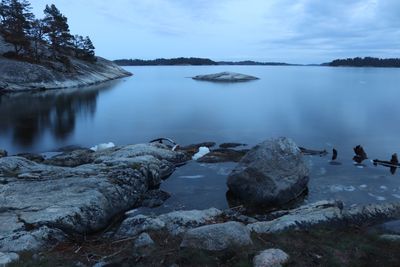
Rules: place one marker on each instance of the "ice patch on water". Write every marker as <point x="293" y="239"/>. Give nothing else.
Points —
<point x="379" y="198"/>
<point x="340" y="188"/>
<point x="224" y="171"/>
<point x="103" y="146"/>
<point x="396" y="195"/>
<point x="363" y="186"/>
<point x="191" y="176"/>
<point x="383" y="187"/>
<point x="202" y="151"/>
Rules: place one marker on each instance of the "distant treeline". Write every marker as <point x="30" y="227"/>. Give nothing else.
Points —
<point x="366" y="62"/>
<point x="188" y="61"/>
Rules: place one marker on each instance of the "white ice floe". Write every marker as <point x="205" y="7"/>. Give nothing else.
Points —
<point x="396" y="195"/>
<point x="383" y="187"/>
<point x="103" y="146"/>
<point x="363" y="186"/>
<point x="191" y="176"/>
<point x="380" y="198"/>
<point x="340" y="188"/>
<point x="202" y="151"/>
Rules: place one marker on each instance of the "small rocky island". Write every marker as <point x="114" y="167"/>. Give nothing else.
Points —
<point x="225" y="77"/>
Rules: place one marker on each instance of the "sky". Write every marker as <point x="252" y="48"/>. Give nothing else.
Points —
<point x="303" y="31"/>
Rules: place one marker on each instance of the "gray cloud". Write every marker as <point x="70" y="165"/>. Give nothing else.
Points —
<point x="285" y="30"/>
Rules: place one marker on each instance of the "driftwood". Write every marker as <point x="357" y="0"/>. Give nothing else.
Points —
<point x="160" y="140"/>
<point x="393" y="164"/>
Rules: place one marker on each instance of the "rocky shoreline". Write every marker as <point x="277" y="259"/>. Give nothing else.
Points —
<point x="49" y="202"/>
<point x="18" y="76"/>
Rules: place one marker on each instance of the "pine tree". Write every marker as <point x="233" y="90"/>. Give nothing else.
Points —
<point x="88" y="47"/>
<point x="16" y="22"/>
<point x="57" y="29"/>
<point x="37" y="34"/>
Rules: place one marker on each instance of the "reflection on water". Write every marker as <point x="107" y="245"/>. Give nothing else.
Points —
<point x="320" y="108"/>
<point x="27" y="118"/>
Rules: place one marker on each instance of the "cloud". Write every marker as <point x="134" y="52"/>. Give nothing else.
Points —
<point x="284" y="30"/>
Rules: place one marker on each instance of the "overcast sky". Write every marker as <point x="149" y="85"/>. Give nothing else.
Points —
<point x="304" y="31"/>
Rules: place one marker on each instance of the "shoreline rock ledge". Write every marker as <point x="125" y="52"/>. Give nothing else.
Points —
<point x="272" y="173"/>
<point x="225" y="76"/>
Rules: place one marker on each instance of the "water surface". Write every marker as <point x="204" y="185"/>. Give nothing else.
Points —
<point x="319" y="107"/>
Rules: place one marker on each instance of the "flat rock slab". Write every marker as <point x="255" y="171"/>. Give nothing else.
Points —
<point x="175" y="222"/>
<point x="327" y="213"/>
<point x="217" y="237"/>
<point x="225" y="77"/>
<point x="40" y="201"/>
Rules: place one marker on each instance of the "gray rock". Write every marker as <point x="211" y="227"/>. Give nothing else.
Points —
<point x="327" y="212"/>
<point x="18" y="75"/>
<point x="272" y="173"/>
<point x="217" y="237"/>
<point x="6" y="258"/>
<point x="72" y="159"/>
<point x="175" y="222"/>
<point x="155" y="198"/>
<point x="32" y="157"/>
<point x="3" y="153"/>
<point x="138" y="224"/>
<point x="395" y="238"/>
<point x="270" y="258"/>
<point x="392" y="227"/>
<point x="143" y="240"/>
<point x="179" y="221"/>
<point x="225" y="77"/>
<point x="75" y="200"/>
<point x="308" y="215"/>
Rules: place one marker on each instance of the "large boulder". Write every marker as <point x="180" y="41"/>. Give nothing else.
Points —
<point x="217" y="237"/>
<point x="271" y="173"/>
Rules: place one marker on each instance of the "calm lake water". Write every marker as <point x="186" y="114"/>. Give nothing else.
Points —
<point x="319" y="107"/>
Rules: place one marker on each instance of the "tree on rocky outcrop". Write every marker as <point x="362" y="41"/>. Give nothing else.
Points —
<point x="83" y="47"/>
<point x="16" y="22"/>
<point x="56" y="29"/>
<point x="37" y="34"/>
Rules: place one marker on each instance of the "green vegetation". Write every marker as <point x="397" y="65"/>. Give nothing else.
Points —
<point x="366" y="62"/>
<point x="351" y="246"/>
<point x="190" y="61"/>
<point x="40" y="39"/>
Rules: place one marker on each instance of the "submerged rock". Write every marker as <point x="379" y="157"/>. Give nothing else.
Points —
<point x="77" y="200"/>
<point x="223" y="155"/>
<point x="272" y="173"/>
<point x="216" y="237"/>
<point x="270" y="258"/>
<point x="225" y="77"/>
